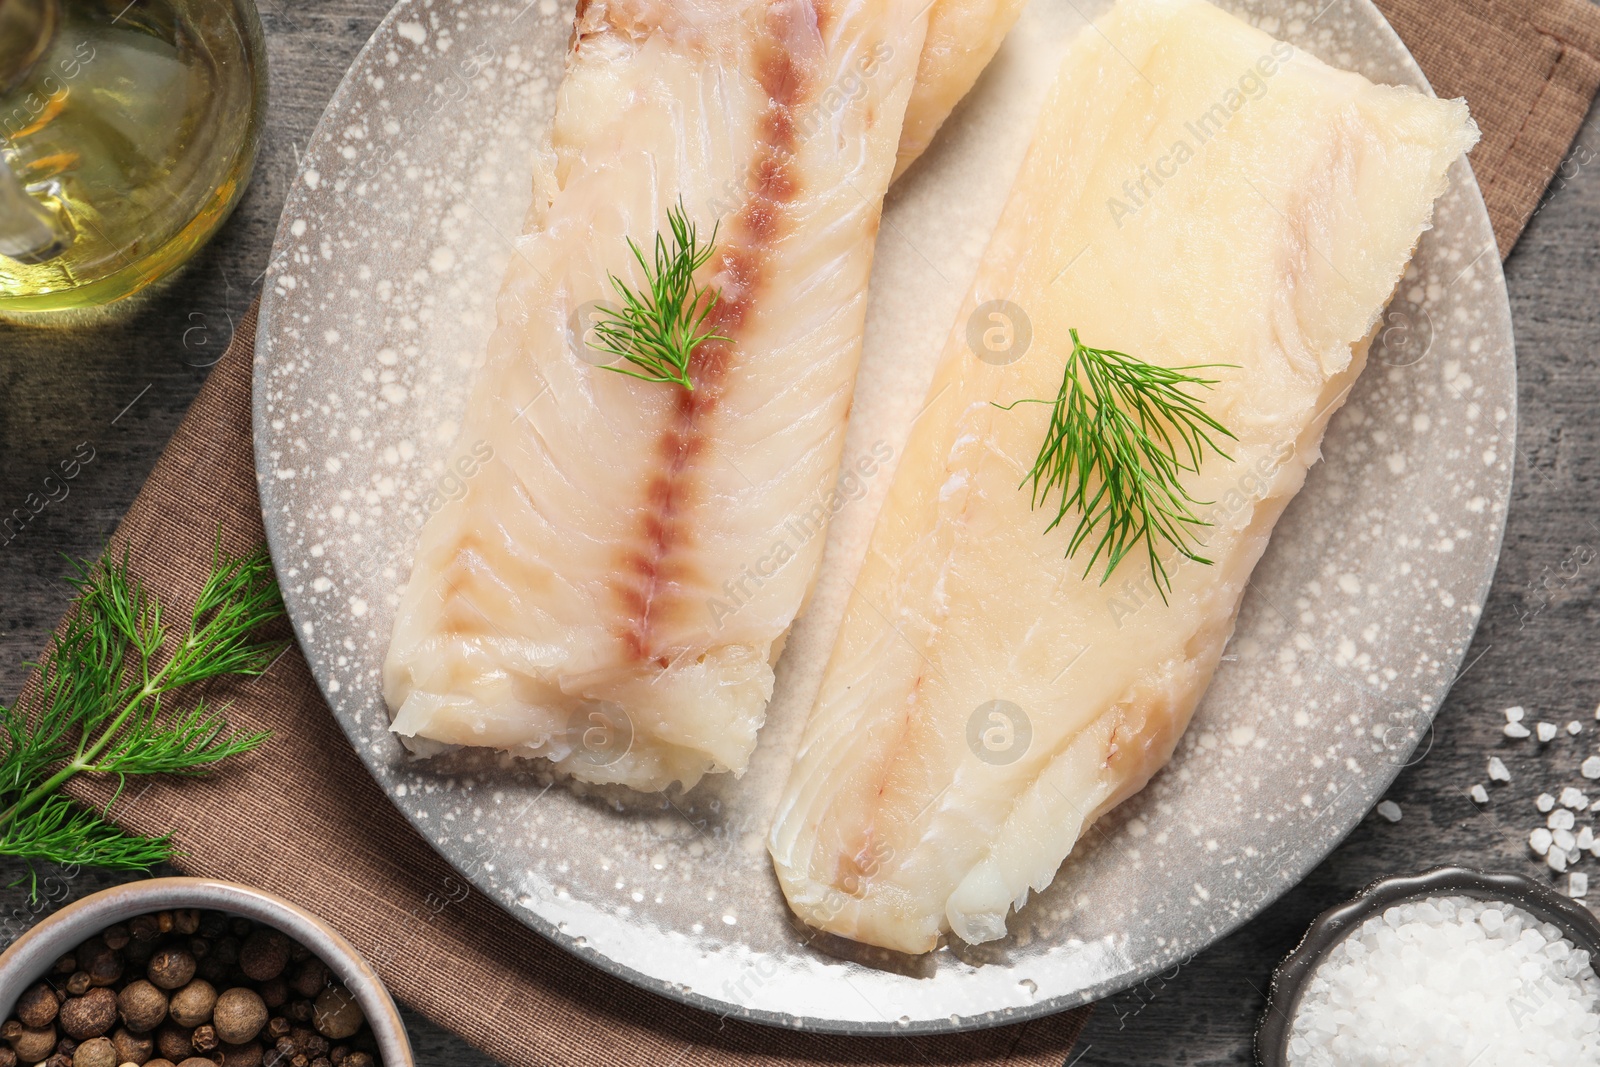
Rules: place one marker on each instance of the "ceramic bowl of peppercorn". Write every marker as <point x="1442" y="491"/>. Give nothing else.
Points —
<point x="189" y="972"/>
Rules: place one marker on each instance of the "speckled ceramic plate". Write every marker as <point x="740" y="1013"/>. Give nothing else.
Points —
<point x="378" y="302"/>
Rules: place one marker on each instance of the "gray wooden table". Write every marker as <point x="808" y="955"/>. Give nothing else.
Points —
<point x="120" y="386"/>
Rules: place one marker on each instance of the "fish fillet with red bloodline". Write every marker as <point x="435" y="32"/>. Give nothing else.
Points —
<point x="574" y="603"/>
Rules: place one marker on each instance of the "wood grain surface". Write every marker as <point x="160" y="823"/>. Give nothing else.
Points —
<point x="119" y="385"/>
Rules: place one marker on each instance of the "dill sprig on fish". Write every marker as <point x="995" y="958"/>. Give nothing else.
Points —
<point x="103" y="705"/>
<point x="658" y="328"/>
<point x="1121" y="432"/>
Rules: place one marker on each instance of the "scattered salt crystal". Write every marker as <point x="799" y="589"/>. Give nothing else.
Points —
<point x="1565" y="840"/>
<point x="1517" y="730"/>
<point x="1561" y="819"/>
<point x="1556" y="860"/>
<point x="1540" y="840"/>
<point x="1515" y="714"/>
<point x="1441" y="982"/>
<point x="1577" y="885"/>
<point x="1585" y="836"/>
<point x="1546" y="731"/>
<point x="1544" y="802"/>
<point x="1497" y="770"/>
<point x="1591" y="767"/>
<point x="1389" y="810"/>
<point x="1574" y="799"/>
<point x="1574" y="727"/>
<point x="1480" y="794"/>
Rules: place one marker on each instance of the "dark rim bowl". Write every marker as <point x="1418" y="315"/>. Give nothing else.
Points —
<point x="1333" y="925"/>
<point x="30" y="956"/>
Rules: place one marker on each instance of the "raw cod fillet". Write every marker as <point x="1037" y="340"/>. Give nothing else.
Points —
<point x="579" y="601"/>
<point x="985" y="702"/>
<point x="963" y="35"/>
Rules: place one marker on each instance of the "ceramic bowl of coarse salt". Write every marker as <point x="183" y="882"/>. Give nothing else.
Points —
<point x="1447" y="968"/>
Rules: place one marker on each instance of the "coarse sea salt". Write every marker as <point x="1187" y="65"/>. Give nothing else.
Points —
<point x="1448" y="981"/>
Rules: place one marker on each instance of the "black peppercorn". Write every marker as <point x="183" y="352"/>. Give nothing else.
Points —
<point x="204" y="1038"/>
<point x="30" y="1045"/>
<point x="245" y="1055"/>
<point x="337" y="1013"/>
<point x="310" y="977"/>
<point x="171" y="1012"/>
<point x="37" y="1006"/>
<point x="171" y="968"/>
<point x="100" y="960"/>
<point x="142" y="1005"/>
<point x="192" y="1004"/>
<point x="264" y="954"/>
<point x="90" y="1015"/>
<point x="98" y="1052"/>
<point x="274" y="992"/>
<point x="308" y="1041"/>
<point x="172" y="1041"/>
<point x="239" y="1015"/>
<point x="131" y="1047"/>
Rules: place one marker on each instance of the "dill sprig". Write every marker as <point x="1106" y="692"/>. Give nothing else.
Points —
<point x="104" y="700"/>
<point x="658" y="330"/>
<point x="1121" y="432"/>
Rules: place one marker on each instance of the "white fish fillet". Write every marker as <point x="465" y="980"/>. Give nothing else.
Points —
<point x="963" y="35"/>
<point x="588" y="599"/>
<point x="918" y="805"/>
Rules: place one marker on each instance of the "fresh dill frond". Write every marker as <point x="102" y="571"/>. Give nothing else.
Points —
<point x="1121" y="433"/>
<point x="103" y="704"/>
<point x="658" y="329"/>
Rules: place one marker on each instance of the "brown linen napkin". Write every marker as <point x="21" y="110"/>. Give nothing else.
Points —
<point x="1529" y="70"/>
<point x="303" y="819"/>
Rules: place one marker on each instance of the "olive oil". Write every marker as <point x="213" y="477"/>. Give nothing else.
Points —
<point x="127" y="134"/>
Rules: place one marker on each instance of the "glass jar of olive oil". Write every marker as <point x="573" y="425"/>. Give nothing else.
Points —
<point x="128" y="131"/>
